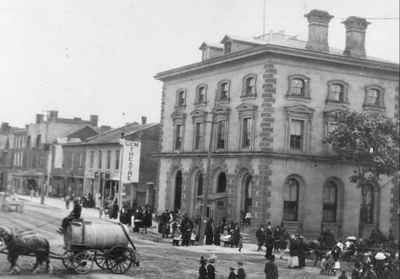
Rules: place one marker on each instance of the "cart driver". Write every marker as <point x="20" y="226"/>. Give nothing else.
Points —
<point x="75" y="214"/>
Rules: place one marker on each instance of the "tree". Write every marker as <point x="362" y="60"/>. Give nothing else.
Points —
<point x="370" y="142"/>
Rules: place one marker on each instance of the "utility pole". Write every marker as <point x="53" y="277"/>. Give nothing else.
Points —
<point x="208" y="182"/>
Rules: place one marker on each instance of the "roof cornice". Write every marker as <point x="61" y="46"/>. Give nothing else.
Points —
<point x="328" y="58"/>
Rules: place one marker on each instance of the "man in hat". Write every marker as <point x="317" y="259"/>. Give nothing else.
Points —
<point x="241" y="273"/>
<point x="271" y="269"/>
<point x="75" y="214"/>
<point x="232" y="274"/>
<point x="210" y="267"/>
<point x="202" y="268"/>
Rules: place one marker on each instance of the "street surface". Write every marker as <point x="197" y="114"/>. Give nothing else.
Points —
<point x="158" y="259"/>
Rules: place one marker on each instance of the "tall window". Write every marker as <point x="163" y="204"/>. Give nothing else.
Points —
<point x="227" y="47"/>
<point x="199" y="184"/>
<point x="100" y="161"/>
<point x="221" y="134"/>
<point x="181" y="98"/>
<point x="178" y="137"/>
<point x="329" y="207"/>
<point x="336" y="92"/>
<point x="201" y="95"/>
<point x="246" y="132"/>
<point x="291" y="200"/>
<point x="198" y="135"/>
<point x="108" y="159"/>
<point x="221" y="183"/>
<point x="297" y="87"/>
<point x="372" y="97"/>
<point x="250" y="86"/>
<point x="369" y="204"/>
<point x="91" y="159"/>
<point x="223" y="88"/>
<point x="296" y="134"/>
<point x="117" y="154"/>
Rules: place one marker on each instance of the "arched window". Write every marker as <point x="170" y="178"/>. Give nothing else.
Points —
<point x="247" y="193"/>
<point x="372" y="97"/>
<point x="291" y="200"/>
<point x="221" y="183"/>
<point x="223" y="91"/>
<point x="178" y="191"/>
<point x="249" y="86"/>
<point x="330" y="197"/>
<point x="369" y="196"/>
<point x="297" y="87"/>
<point x="181" y="98"/>
<point x="201" y="97"/>
<point x="199" y="184"/>
<point x="336" y="92"/>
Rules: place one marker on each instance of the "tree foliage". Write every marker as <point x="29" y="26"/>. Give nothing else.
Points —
<point x="371" y="141"/>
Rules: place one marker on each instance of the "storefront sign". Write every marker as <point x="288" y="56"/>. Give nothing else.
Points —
<point x="130" y="161"/>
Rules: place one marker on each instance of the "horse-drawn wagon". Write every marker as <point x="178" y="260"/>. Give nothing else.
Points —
<point x="106" y="244"/>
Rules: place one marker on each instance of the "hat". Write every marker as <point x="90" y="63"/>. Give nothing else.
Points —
<point x="380" y="256"/>
<point x="240" y="263"/>
<point x="232" y="268"/>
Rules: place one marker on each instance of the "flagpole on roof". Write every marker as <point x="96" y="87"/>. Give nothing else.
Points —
<point x="264" y="17"/>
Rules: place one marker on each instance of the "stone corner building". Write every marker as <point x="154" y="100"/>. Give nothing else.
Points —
<point x="271" y="100"/>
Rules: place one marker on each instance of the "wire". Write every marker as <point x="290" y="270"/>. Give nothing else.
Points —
<point x="375" y="18"/>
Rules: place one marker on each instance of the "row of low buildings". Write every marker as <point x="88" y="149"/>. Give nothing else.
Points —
<point x="243" y="127"/>
<point x="63" y="156"/>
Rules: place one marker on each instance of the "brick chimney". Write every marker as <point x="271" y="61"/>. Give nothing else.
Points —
<point x="52" y="115"/>
<point x="39" y="118"/>
<point x="5" y="127"/>
<point x="144" y="120"/>
<point x="94" y="120"/>
<point x="355" y="36"/>
<point x="318" y="27"/>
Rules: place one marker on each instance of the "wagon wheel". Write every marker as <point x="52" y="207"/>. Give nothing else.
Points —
<point x="82" y="262"/>
<point x="100" y="259"/>
<point x="67" y="259"/>
<point x="119" y="259"/>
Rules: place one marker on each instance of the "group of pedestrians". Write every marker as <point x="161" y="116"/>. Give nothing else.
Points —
<point x="273" y="238"/>
<point x="140" y="218"/>
<point x="207" y="269"/>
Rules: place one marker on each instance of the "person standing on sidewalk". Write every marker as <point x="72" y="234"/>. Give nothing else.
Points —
<point x="271" y="269"/>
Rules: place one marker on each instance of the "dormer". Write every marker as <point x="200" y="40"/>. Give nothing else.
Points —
<point x="233" y="44"/>
<point x="210" y="51"/>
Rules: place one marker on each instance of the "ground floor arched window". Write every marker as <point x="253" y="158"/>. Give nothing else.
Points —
<point x="291" y="200"/>
<point x="329" y="206"/>
<point x="221" y="183"/>
<point x="178" y="191"/>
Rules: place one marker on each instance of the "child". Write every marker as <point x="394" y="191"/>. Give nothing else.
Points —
<point x="176" y="238"/>
<point x="241" y="274"/>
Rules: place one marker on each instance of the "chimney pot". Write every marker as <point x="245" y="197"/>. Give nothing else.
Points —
<point x="144" y="120"/>
<point x="94" y="120"/>
<point x="355" y="36"/>
<point x="39" y="118"/>
<point x="52" y="115"/>
<point x="318" y="29"/>
<point x="5" y="127"/>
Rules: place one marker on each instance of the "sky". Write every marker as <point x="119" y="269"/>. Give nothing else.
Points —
<point x="84" y="57"/>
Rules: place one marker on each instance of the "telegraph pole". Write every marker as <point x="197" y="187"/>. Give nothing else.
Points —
<point x="208" y="182"/>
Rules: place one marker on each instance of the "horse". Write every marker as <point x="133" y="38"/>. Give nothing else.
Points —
<point x="25" y="244"/>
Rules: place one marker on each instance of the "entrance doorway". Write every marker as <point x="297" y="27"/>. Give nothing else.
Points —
<point x="178" y="191"/>
<point x="247" y="187"/>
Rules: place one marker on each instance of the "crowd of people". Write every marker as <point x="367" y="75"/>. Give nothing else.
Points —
<point x="185" y="231"/>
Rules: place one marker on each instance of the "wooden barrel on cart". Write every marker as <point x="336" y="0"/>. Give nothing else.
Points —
<point x="94" y="235"/>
